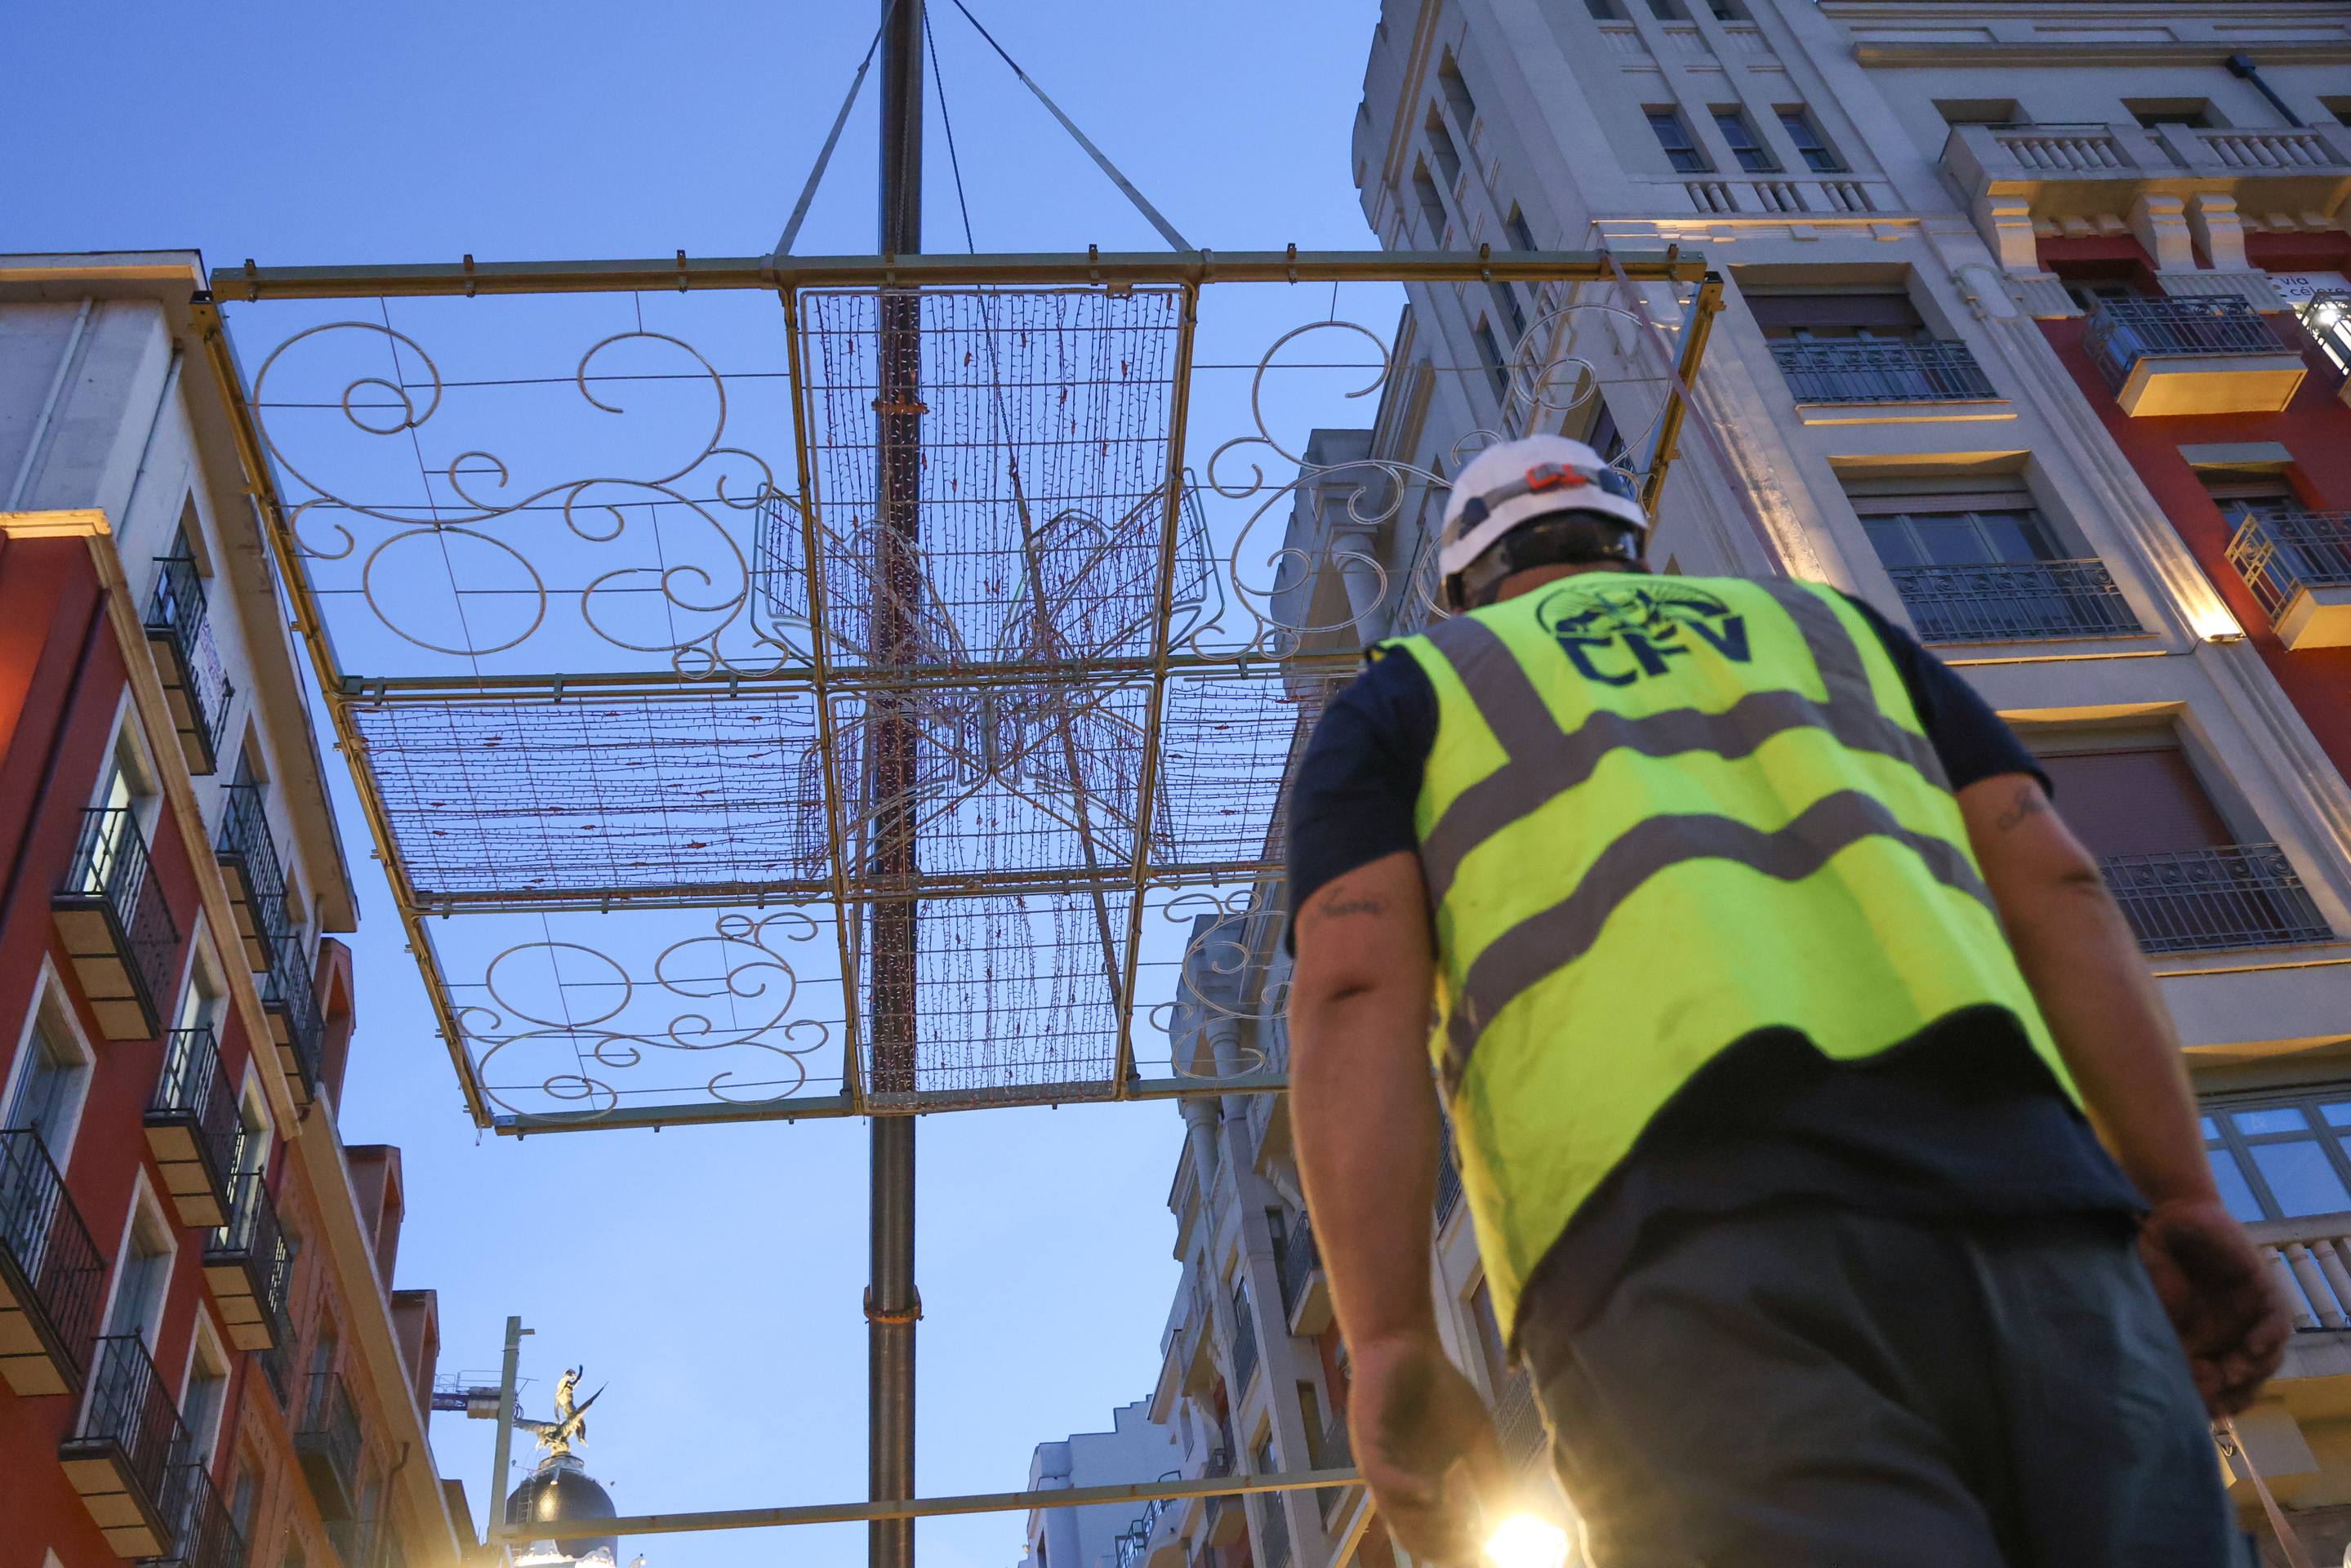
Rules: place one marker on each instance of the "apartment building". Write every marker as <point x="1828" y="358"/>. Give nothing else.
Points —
<point x="1097" y="1535"/>
<point x="2033" y="335"/>
<point x="202" y="1362"/>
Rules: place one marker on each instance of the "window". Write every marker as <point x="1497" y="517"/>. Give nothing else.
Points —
<point x="1797" y="122"/>
<point x="1674" y="136"/>
<point x="204" y="1395"/>
<point x="1522" y="236"/>
<point x="1980" y="111"/>
<point x="2151" y="112"/>
<point x="1728" y="10"/>
<point x="53" y="1065"/>
<point x="2281" y="1159"/>
<point x="1752" y="155"/>
<point x="1886" y="317"/>
<point x="1506" y="299"/>
<point x="1432" y="205"/>
<point x="243" y="1498"/>
<point x="1668" y="10"/>
<point x="143" y="1271"/>
<point x="2340" y="108"/>
<point x="1489" y="355"/>
<point x="2238" y="491"/>
<point x="2145" y="797"/>
<point x="2087" y="292"/>
<point x="1609" y="11"/>
<point x="1442" y="149"/>
<point x="1983" y="565"/>
<point x="1971" y="534"/>
<point x="1457" y="91"/>
<point x="1490" y="1348"/>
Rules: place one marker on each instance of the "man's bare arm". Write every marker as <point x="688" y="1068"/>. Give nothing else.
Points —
<point x="2085" y="967"/>
<point x="1364" y="1114"/>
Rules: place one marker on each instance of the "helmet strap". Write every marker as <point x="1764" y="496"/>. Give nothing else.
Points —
<point x="1560" y="539"/>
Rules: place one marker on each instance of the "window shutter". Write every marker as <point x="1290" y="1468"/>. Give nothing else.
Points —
<point x="2136" y="802"/>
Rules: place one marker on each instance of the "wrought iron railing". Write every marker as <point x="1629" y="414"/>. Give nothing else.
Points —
<point x="254" y="1238"/>
<point x="2124" y="331"/>
<point x="1273" y="1529"/>
<point x="1294" y="1262"/>
<point x="194" y="1090"/>
<point x="203" y="1526"/>
<point x="2014" y="601"/>
<point x="1134" y="1545"/>
<point x="277" y="1364"/>
<point x="1244" y="1345"/>
<point x="178" y="616"/>
<point x="2278" y="553"/>
<point x="1875" y="372"/>
<point x="131" y="1415"/>
<point x="1448" y="1177"/>
<point x="330" y="1426"/>
<point x="110" y="871"/>
<point x="2231" y="896"/>
<point x="53" y="1266"/>
<point x="290" y="991"/>
<point x="1518" y="1423"/>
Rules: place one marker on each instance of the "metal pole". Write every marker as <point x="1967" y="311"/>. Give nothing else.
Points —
<point x="892" y="1305"/>
<point x="503" y="1453"/>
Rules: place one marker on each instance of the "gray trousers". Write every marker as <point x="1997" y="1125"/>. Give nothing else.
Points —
<point x="1810" y="1388"/>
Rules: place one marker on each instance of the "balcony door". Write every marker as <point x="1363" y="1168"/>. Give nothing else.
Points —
<point x="2282" y="1158"/>
<point x="1986" y="566"/>
<point x="52" y="1075"/>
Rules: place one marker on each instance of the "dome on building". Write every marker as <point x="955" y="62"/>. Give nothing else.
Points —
<point x="560" y="1491"/>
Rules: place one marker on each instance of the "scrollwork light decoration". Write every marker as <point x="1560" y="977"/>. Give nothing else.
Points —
<point x="742" y="959"/>
<point x="701" y="598"/>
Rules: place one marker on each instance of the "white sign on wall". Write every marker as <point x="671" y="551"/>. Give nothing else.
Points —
<point x="2298" y="288"/>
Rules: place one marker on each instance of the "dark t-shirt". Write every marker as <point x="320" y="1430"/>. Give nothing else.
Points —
<point x="1960" y="1118"/>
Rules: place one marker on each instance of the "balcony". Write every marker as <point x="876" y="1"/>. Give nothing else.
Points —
<point x="2014" y="601"/>
<point x="2060" y="172"/>
<point x="2214" y="900"/>
<point x="110" y="913"/>
<point x="1273" y="1529"/>
<point x="249" y="1264"/>
<point x="327" y="1441"/>
<point x="1518" y="1422"/>
<point x="206" y="1535"/>
<point x="249" y="865"/>
<point x="1332" y="1452"/>
<point x="1448" y="1179"/>
<point x="2298" y="564"/>
<point x="191" y="1127"/>
<point x="1305" y="1290"/>
<point x="2208" y="355"/>
<point x="193" y="683"/>
<point x="290" y="997"/>
<point x="1244" y="1346"/>
<point x="51" y="1276"/>
<point x="1881" y="372"/>
<point x="129" y="1451"/>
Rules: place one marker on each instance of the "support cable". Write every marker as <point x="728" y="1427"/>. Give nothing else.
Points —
<point x="1167" y="231"/>
<point x="833" y="138"/>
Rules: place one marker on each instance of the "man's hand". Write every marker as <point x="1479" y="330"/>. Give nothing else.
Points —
<point x="1426" y="1448"/>
<point x="2224" y="1303"/>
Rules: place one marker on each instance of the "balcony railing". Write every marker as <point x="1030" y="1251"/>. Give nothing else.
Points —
<point x="2014" y="601"/>
<point x="1244" y="1346"/>
<point x="256" y="880"/>
<point x="191" y="1127"/>
<point x="1273" y="1529"/>
<point x="1296" y="1263"/>
<point x="119" y="933"/>
<point x="249" y="1264"/>
<point x="2211" y="900"/>
<point x="1134" y="1545"/>
<point x="127" y="1446"/>
<point x="1448" y="1177"/>
<point x="289" y="996"/>
<point x="51" y="1276"/>
<point x="2122" y="333"/>
<point x="2279" y="553"/>
<point x="1881" y="371"/>
<point x="1518" y="1423"/>
<point x="328" y="1443"/>
<point x="194" y="682"/>
<point x="205" y="1532"/>
<point x="1332" y="1452"/>
<point x="2311" y="1260"/>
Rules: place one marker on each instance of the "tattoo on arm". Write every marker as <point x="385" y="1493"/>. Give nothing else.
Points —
<point x="1338" y="903"/>
<point x="2028" y="802"/>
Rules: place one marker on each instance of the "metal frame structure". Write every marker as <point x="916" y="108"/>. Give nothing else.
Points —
<point x="829" y="676"/>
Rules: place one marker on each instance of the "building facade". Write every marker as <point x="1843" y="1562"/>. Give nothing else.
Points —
<point x="202" y="1359"/>
<point x="2029" y="335"/>
<point x="1097" y="1535"/>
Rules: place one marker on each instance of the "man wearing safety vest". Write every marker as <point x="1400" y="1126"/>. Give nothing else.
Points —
<point x="1775" y="1007"/>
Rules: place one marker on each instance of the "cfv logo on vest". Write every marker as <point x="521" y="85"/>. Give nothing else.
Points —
<point x="1620" y="632"/>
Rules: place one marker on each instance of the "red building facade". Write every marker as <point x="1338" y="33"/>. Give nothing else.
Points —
<point x="202" y="1360"/>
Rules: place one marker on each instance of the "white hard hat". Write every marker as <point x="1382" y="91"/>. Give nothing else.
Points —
<point x="1506" y="486"/>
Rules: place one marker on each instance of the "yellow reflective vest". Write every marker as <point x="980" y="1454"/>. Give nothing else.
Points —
<point x="1661" y="813"/>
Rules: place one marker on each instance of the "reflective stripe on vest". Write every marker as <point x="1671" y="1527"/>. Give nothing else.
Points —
<point x="1662" y="814"/>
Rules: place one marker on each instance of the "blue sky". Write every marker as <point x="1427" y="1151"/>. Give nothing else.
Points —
<point x="713" y="1275"/>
